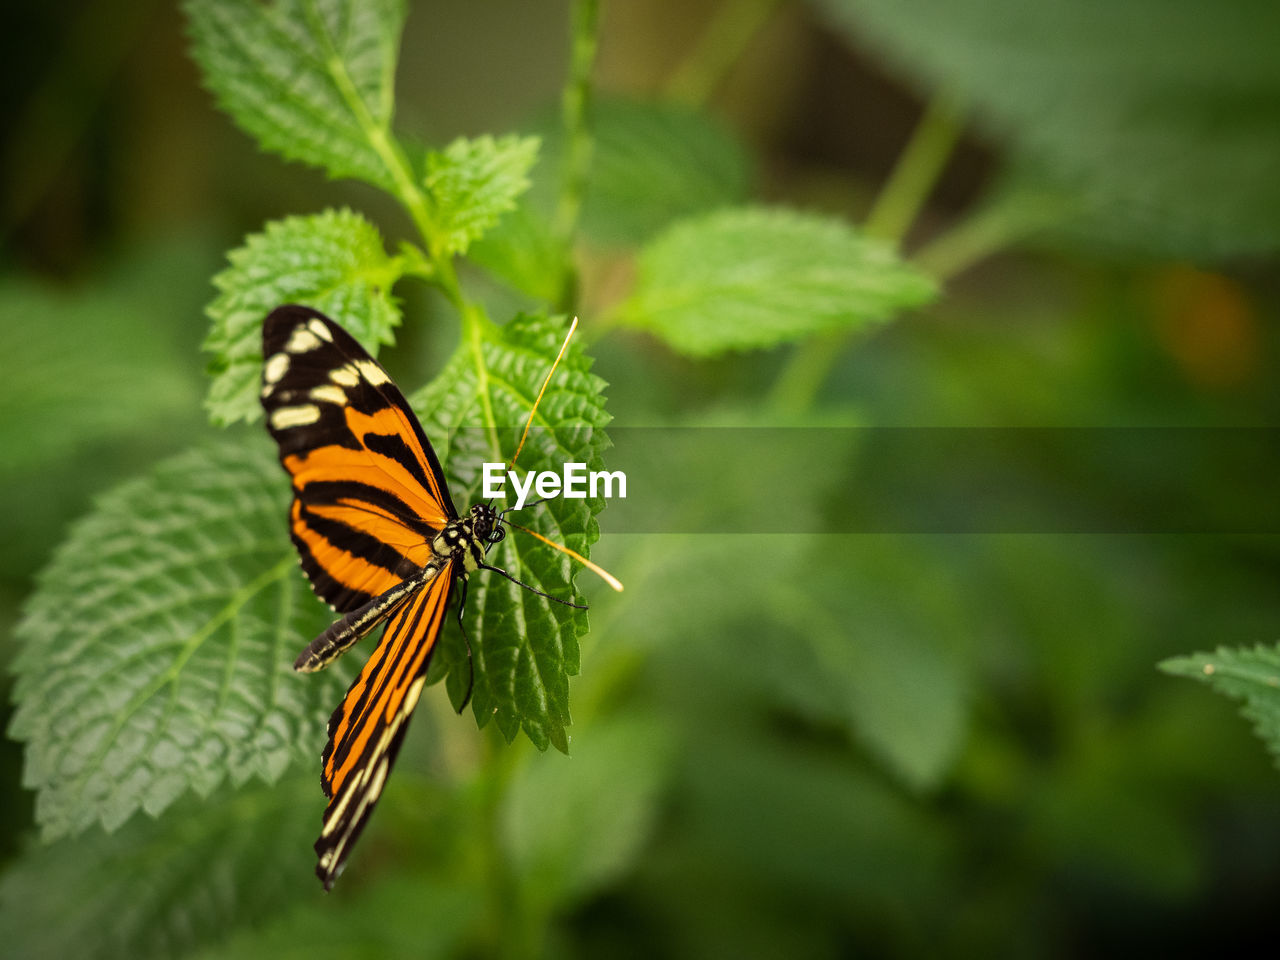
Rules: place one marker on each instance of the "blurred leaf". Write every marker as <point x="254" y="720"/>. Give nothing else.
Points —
<point x="521" y="251"/>
<point x="805" y="822"/>
<point x="563" y="838"/>
<point x="161" y="887"/>
<point x="881" y="658"/>
<point x="1169" y="142"/>
<point x="81" y="371"/>
<point x="409" y="917"/>
<point x="752" y="277"/>
<point x="655" y="163"/>
<point x="311" y="80"/>
<point x="472" y="183"/>
<point x="1251" y="675"/>
<point x="525" y="646"/>
<point x="332" y="261"/>
<point x="156" y="652"/>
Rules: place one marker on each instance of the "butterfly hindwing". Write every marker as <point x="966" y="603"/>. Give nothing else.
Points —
<point x="369" y="494"/>
<point x="366" y="730"/>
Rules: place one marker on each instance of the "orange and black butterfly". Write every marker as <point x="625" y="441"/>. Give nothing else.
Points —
<point x="379" y="538"/>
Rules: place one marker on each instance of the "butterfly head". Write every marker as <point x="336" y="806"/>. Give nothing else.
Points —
<point x="486" y="524"/>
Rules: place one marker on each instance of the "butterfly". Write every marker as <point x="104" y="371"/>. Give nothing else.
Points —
<point x="380" y="540"/>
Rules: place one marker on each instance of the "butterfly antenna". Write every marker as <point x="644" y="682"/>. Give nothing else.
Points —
<point x="529" y="423"/>
<point x="595" y="568"/>
<point x="530" y="587"/>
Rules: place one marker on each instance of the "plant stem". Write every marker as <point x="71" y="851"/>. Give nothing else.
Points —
<point x="1005" y="218"/>
<point x="891" y="216"/>
<point x="575" y="103"/>
<point x="723" y="43"/>
<point x="916" y="172"/>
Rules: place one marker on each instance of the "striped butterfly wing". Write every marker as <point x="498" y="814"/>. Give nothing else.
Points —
<point x="366" y="731"/>
<point x="368" y="498"/>
<point x="368" y="491"/>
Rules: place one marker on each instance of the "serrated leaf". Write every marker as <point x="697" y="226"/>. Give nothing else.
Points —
<point x="311" y="80"/>
<point x="161" y="887"/>
<point x="333" y="261"/>
<point x="156" y="651"/>
<point x="562" y="842"/>
<point x="751" y="277"/>
<point x="525" y="646"/>
<point x="1169" y="143"/>
<point x="1251" y="675"/>
<point x="471" y="183"/>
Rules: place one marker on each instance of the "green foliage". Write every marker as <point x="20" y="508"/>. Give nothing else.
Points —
<point x="395" y="917"/>
<point x="311" y="80"/>
<point x="161" y="887"/>
<point x="1250" y="675"/>
<point x="525" y="646"/>
<point x="655" y="163"/>
<point x="749" y="278"/>
<point x="162" y="666"/>
<point x="784" y="744"/>
<point x="56" y="397"/>
<point x="333" y="261"/>
<point x="471" y="183"/>
<point x="563" y="843"/>
<point x="1160" y="116"/>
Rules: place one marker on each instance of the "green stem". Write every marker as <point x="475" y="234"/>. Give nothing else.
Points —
<point x="891" y="216"/>
<point x="575" y="104"/>
<point x="916" y="171"/>
<point x="1003" y="220"/>
<point x="414" y="200"/>
<point x="722" y="45"/>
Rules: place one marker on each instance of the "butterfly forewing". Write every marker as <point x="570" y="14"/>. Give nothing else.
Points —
<point x="365" y="732"/>
<point x="369" y="494"/>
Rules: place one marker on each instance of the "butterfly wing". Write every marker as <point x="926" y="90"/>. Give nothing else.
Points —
<point x="366" y="731"/>
<point x="368" y="491"/>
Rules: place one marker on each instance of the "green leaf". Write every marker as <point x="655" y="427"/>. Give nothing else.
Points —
<point x="522" y="252"/>
<point x="525" y="646"/>
<point x="156" y="651"/>
<point x="1251" y="675"/>
<point x="80" y="371"/>
<point x="311" y="80"/>
<point x="560" y="839"/>
<point x="1169" y="143"/>
<point x="333" y="261"/>
<point x="749" y="278"/>
<point x="402" y="916"/>
<point x="162" y="887"/>
<point x="472" y="183"/>
<point x="655" y="163"/>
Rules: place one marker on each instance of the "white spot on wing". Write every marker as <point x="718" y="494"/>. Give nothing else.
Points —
<point x="345" y="376"/>
<point x="302" y="340"/>
<point x="300" y="416"/>
<point x="275" y="368"/>
<point x="411" y="698"/>
<point x="329" y="393"/>
<point x="371" y="371"/>
<point x="320" y="330"/>
<point x="379" y="778"/>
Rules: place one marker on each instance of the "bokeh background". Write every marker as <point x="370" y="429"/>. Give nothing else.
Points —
<point x="793" y="746"/>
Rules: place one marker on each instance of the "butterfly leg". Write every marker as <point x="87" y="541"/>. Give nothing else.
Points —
<point x="471" y="669"/>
